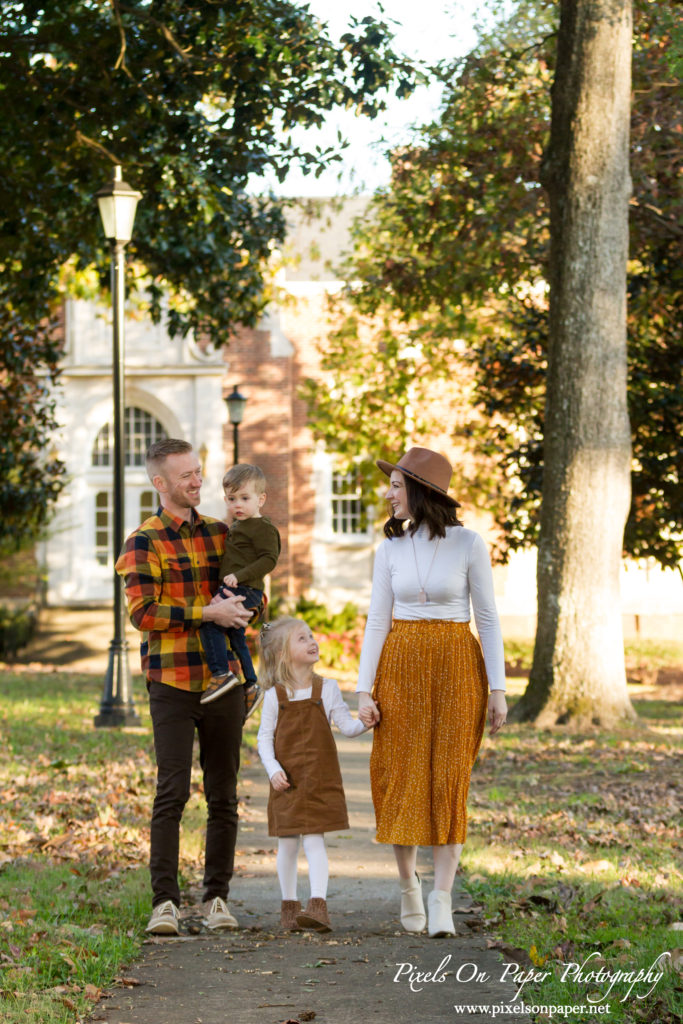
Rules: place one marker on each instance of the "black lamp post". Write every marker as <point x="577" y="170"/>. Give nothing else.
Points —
<point x="235" y="403"/>
<point x="117" y="202"/>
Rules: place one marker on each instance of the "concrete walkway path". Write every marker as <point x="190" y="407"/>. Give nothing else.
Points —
<point x="366" y="969"/>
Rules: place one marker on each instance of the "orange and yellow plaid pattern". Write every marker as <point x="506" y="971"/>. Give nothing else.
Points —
<point x="170" y="568"/>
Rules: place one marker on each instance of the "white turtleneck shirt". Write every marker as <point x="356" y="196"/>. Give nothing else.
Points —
<point x="453" y="571"/>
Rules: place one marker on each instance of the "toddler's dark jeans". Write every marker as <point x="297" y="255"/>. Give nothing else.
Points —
<point x="213" y="637"/>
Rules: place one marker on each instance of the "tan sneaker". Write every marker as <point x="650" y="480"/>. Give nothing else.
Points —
<point x="218" y="686"/>
<point x="253" y="696"/>
<point x="217" y="915"/>
<point x="164" y="919"/>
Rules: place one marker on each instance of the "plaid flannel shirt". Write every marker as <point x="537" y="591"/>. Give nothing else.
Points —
<point x="171" y="570"/>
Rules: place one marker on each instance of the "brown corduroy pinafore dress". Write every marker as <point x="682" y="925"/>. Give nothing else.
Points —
<point x="305" y="747"/>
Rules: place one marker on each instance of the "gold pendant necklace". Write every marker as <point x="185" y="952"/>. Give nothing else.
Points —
<point x="422" y="595"/>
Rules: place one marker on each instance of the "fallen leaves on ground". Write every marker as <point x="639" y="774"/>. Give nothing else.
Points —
<point x="80" y="811"/>
<point x="76" y="811"/>
<point x="574" y="793"/>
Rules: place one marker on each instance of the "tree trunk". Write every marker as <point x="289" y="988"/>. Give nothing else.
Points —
<point x="578" y="669"/>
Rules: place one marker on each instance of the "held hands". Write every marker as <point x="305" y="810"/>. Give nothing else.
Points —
<point x="230" y="580"/>
<point x="368" y="712"/>
<point x="279" y="782"/>
<point x="497" y="711"/>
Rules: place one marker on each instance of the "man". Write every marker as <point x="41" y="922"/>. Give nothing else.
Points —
<point x="170" y="566"/>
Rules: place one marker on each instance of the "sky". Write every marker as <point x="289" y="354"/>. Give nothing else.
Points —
<point x="428" y="30"/>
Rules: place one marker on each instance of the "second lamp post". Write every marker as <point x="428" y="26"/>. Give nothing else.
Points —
<point x="235" y="403"/>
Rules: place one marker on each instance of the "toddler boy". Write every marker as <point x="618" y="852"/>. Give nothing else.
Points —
<point x="252" y="548"/>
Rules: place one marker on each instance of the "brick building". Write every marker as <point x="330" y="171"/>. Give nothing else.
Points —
<point x="327" y="550"/>
<point x="175" y="387"/>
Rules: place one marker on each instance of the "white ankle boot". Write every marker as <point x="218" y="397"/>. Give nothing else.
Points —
<point x="413" y="917"/>
<point x="440" y="914"/>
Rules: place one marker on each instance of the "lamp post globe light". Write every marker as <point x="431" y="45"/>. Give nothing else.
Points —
<point x="117" y="202"/>
<point x="235" y="403"/>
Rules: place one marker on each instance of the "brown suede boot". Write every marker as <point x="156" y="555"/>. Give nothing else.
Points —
<point x="288" y="911"/>
<point x="315" y="917"/>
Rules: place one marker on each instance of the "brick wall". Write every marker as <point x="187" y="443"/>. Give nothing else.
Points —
<point x="274" y="434"/>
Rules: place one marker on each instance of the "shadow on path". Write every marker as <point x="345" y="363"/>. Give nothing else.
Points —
<point x="77" y="640"/>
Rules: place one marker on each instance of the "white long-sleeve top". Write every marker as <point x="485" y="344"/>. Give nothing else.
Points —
<point x="460" y="572"/>
<point x="336" y="709"/>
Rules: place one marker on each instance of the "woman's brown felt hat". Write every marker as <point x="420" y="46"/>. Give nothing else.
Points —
<point x="429" y="469"/>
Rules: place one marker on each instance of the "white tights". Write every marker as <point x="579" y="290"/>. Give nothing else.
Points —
<point x="316" y="855"/>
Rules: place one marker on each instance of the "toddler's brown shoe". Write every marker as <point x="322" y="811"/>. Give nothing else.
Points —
<point x="218" y="686"/>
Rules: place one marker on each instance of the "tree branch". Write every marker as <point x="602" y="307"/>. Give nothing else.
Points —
<point x="121" y="59"/>
<point x="168" y="35"/>
<point x="165" y="31"/>
<point x="85" y="140"/>
<point x="517" y="55"/>
<point x="670" y="222"/>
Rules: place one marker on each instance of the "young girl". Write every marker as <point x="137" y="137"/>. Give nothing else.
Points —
<point x="298" y="751"/>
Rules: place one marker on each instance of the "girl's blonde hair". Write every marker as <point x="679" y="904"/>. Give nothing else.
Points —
<point x="275" y="665"/>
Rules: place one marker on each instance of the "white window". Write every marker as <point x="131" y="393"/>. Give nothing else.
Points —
<point x="103" y="527"/>
<point x="140" y="430"/>
<point x="349" y="515"/>
<point x="149" y="503"/>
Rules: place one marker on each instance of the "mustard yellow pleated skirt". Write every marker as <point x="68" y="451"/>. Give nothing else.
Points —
<point x="431" y="688"/>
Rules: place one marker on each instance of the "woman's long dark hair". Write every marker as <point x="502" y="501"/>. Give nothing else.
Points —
<point x="426" y="506"/>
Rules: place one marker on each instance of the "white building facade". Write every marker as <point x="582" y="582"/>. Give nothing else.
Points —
<point x="172" y="389"/>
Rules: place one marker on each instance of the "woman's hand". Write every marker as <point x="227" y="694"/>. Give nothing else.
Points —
<point x="498" y="711"/>
<point x="368" y="712"/>
<point x="279" y="782"/>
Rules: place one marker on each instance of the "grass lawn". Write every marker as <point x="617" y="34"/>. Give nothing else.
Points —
<point x="572" y="851"/>
<point x="574" y="855"/>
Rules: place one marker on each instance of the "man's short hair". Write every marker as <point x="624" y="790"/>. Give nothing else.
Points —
<point x="158" y="452"/>
<point x="243" y="473"/>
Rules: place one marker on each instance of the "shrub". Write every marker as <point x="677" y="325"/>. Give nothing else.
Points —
<point x="17" y="626"/>
<point x="340" y="634"/>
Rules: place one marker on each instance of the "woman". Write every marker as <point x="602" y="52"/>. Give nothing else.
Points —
<point x="429" y="678"/>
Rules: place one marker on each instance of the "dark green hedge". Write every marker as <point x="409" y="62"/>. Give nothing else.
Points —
<point x="17" y="627"/>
